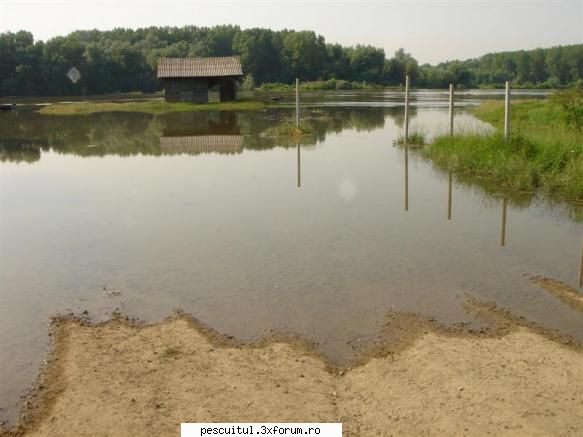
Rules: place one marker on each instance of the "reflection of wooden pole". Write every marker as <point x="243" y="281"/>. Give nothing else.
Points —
<point x="406" y="178"/>
<point x="507" y="112"/>
<point x="298" y="103"/>
<point x="451" y="108"/>
<point x="503" y="231"/>
<point x="581" y="267"/>
<point x="449" y="196"/>
<point x="299" y="172"/>
<point x="407" y="109"/>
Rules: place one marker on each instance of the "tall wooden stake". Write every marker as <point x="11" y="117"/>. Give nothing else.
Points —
<point x="507" y="112"/>
<point x="407" y="109"/>
<point x="451" y="109"/>
<point x="297" y="103"/>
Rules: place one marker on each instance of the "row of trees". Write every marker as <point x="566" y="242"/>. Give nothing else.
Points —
<point x="125" y="60"/>
<point x="544" y="68"/>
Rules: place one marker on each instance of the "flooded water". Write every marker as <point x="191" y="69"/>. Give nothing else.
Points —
<point x="248" y="232"/>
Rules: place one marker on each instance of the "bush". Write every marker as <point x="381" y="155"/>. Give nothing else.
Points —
<point x="248" y="84"/>
<point x="570" y="102"/>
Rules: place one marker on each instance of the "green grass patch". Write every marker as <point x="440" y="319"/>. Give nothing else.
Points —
<point x="148" y="106"/>
<point x="543" y="152"/>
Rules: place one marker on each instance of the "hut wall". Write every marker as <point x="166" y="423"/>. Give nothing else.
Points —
<point x="186" y="90"/>
<point x="228" y="90"/>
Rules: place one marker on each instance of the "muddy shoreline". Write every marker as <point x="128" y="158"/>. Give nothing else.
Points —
<point x="160" y="374"/>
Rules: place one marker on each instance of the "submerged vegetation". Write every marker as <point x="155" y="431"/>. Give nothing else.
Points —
<point x="545" y="151"/>
<point x="287" y="129"/>
<point x="148" y="106"/>
<point x="415" y="138"/>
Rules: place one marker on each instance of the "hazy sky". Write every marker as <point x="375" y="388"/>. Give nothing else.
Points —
<point x="432" y="31"/>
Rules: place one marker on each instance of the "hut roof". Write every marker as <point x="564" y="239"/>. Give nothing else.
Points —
<point x="199" y="67"/>
<point x="195" y="145"/>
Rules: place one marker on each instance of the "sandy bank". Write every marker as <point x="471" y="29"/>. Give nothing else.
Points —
<point x="122" y="379"/>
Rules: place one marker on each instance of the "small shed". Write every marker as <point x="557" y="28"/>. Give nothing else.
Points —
<point x="190" y="79"/>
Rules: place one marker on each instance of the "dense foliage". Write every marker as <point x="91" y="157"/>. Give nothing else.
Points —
<point x="124" y="60"/>
<point x="542" y="68"/>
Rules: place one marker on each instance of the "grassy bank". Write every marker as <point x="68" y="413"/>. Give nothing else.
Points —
<point x="149" y="106"/>
<point x="544" y="153"/>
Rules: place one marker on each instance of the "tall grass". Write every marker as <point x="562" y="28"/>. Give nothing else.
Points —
<point x="542" y="153"/>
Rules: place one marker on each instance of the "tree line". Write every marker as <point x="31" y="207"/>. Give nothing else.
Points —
<point x="124" y="60"/>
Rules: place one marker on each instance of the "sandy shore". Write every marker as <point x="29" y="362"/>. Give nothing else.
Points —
<point x="124" y="379"/>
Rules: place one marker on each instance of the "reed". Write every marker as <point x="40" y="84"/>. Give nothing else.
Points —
<point x="543" y="153"/>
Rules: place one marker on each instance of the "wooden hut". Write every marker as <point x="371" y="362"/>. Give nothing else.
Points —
<point x="190" y="79"/>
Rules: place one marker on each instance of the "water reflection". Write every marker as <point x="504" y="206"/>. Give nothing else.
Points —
<point x="25" y="136"/>
<point x="299" y="167"/>
<point x="185" y="133"/>
<point x="406" y="178"/>
<point x="503" y="223"/>
<point x="19" y="150"/>
<point x="449" y="194"/>
<point x="581" y="266"/>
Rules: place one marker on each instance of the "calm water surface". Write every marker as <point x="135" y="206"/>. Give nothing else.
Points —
<point x="213" y="214"/>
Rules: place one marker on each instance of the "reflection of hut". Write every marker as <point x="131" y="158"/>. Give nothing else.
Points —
<point x="191" y="134"/>
<point x="189" y="79"/>
<point x="196" y="145"/>
<point x="181" y="124"/>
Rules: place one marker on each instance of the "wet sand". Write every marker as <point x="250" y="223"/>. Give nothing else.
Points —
<point x="122" y="378"/>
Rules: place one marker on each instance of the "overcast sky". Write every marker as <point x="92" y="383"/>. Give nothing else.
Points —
<point x="433" y="31"/>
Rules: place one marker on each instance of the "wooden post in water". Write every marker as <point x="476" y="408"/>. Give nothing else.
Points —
<point x="449" y="195"/>
<point x="297" y="103"/>
<point x="451" y="109"/>
<point x="503" y="230"/>
<point x="507" y="112"/>
<point x="407" y="109"/>
<point x="406" y="178"/>
<point x="299" y="167"/>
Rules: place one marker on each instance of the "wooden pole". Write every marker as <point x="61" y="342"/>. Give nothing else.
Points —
<point x="449" y="195"/>
<point x="299" y="167"/>
<point x="407" y="109"/>
<point x="297" y="103"/>
<point x="451" y="109"/>
<point x="406" y="178"/>
<point x="507" y="112"/>
<point x="503" y="231"/>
